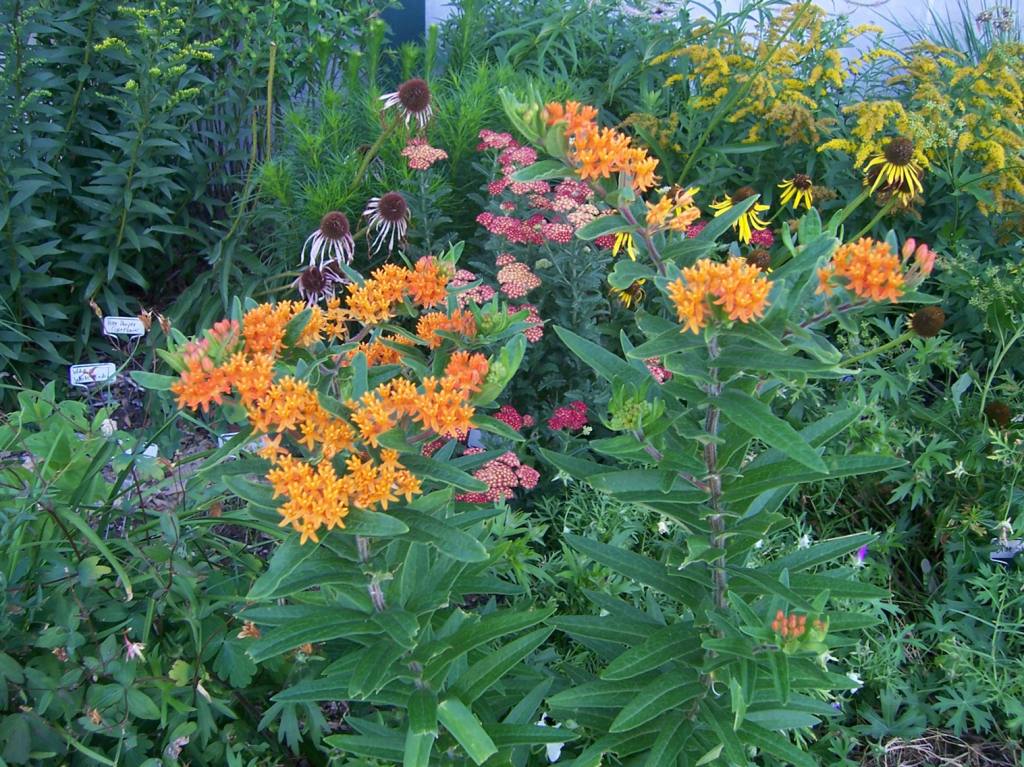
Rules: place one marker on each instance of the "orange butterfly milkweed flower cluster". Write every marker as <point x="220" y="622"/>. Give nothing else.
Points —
<point x="600" y="152"/>
<point x="426" y="285"/>
<point x="316" y="495"/>
<point x="873" y="271"/>
<point x="460" y="321"/>
<point x="739" y="288"/>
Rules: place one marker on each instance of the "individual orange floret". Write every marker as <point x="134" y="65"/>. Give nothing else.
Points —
<point x="467" y="370"/>
<point x="428" y="283"/>
<point x="870" y="267"/>
<point x="459" y="322"/>
<point x="739" y="288"/>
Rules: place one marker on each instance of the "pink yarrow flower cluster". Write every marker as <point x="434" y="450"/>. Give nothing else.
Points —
<point x="536" y="330"/>
<point x="572" y="418"/>
<point x="421" y="155"/>
<point x="481" y="294"/>
<point x="660" y="373"/>
<point x="508" y="415"/>
<point x="568" y="204"/>
<point x="515" y="277"/>
<point x="503" y="476"/>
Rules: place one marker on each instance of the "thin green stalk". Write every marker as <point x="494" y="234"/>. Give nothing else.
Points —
<point x="996" y="363"/>
<point x="883" y="348"/>
<point x="270" y="96"/>
<point x="878" y="217"/>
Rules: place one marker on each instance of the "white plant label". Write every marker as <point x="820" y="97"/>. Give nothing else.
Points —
<point x="252" y="447"/>
<point x="123" y="326"/>
<point x="92" y="373"/>
<point x="1006" y="550"/>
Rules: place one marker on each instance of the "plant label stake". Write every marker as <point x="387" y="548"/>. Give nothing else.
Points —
<point x="123" y="326"/>
<point x="92" y="373"/>
<point x="1005" y="551"/>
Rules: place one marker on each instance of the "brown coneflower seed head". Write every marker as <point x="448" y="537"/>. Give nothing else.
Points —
<point x="392" y="206"/>
<point x="998" y="413"/>
<point x="760" y="258"/>
<point x="414" y="95"/>
<point x="802" y="182"/>
<point x="741" y="194"/>
<point x="313" y="281"/>
<point x="334" y="225"/>
<point x="927" y="322"/>
<point x="899" y="151"/>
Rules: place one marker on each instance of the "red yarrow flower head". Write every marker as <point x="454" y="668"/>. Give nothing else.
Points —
<point x="573" y="417"/>
<point x="491" y="140"/>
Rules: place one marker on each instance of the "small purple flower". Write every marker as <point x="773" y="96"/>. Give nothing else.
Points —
<point x="862" y="554"/>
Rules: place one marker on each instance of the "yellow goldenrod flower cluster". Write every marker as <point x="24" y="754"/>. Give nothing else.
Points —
<point x="949" y="107"/>
<point x="788" y="68"/>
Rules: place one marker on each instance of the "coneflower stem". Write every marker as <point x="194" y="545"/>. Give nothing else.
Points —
<point x="883" y="348"/>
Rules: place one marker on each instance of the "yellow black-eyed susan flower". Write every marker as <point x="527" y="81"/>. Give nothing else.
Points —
<point x="631" y="296"/>
<point x="798" y="189"/>
<point x="897" y="170"/>
<point x="749" y="221"/>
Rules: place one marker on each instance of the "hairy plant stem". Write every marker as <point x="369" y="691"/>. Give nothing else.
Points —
<point x="653" y="251"/>
<point x="714" y="481"/>
<point x="883" y="348"/>
<point x="374" y="589"/>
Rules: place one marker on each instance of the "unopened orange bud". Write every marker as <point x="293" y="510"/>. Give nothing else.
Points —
<point x="785" y="630"/>
<point x="775" y="625"/>
<point x="780" y="615"/>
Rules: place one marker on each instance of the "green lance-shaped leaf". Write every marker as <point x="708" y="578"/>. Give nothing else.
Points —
<point x="600" y="694"/>
<point x="663" y="694"/>
<point x="507" y="735"/>
<point x="757" y="419"/>
<point x="293" y="330"/>
<point x="417" y="749"/>
<point x="484" y="673"/>
<point x="605" y="364"/>
<point x="442" y="473"/>
<point x="776" y="745"/>
<point x="465" y="728"/>
<point x="671" y="643"/>
<point x="447" y="539"/>
<point x="329" y="623"/>
<point x="423" y="712"/>
<point x="153" y="381"/>
<point x="605" y="225"/>
<point x="543" y="170"/>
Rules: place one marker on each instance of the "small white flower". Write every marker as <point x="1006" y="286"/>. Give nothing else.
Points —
<point x="958" y="471"/>
<point x="202" y="691"/>
<point x="855" y="678"/>
<point x="663" y="527"/>
<point x="134" y="650"/>
<point x="760" y="544"/>
<point x="804" y="542"/>
<point x="554" y="749"/>
<point x="108" y="427"/>
<point x="586" y="430"/>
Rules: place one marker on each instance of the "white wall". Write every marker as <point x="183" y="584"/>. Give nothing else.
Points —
<point x="907" y="13"/>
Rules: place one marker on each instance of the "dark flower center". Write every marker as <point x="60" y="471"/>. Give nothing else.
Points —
<point x="313" y="281"/>
<point x="741" y="194"/>
<point x="998" y="413"/>
<point x="334" y="225"/>
<point x="392" y="207"/>
<point x="414" y="95"/>
<point x="802" y="182"/>
<point x="899" y="151"/>
<point x="760" y="258"/>
<point x="927" y="322"/>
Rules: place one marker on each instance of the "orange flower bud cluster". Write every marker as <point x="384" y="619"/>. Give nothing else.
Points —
<point x="794" y="626"/>
<point x="467" y="370"/>
<point x="739" y="288"/>
<point x="600" y="152"/>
